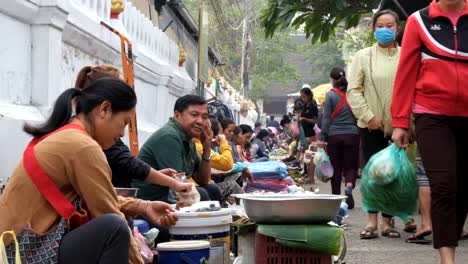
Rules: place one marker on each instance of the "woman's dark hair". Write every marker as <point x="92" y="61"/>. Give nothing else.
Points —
<point x="307" y="91"/>
<point x="237" y="131"/>
<point x="226" y="122"/>
<point x="246" y="129"/>
<point x="262" y="133"/>
<point x="187" y="100"/>
<point x="285" y="120"/>
<point x="214" y="126"/>
<point x="385" y="12"/>
<point x="338" y="76"/>
<point x="118" y="93"/>
<point x="90" y="74"/>
<point x="298" y="105"/>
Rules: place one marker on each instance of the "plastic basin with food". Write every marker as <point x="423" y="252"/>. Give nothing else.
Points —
<point x="291" y="208"/>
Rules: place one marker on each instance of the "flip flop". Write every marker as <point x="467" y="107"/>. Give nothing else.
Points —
<point x="410" y="226"/>
<point x="387" y="232"/>
<point x="419" y="239"/>
<point x="371" y="230"/>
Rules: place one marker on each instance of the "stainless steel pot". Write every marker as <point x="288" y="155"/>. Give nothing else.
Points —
<point x="291" y="209"/>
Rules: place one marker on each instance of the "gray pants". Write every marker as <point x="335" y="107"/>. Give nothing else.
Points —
<point x="104" y="239"/>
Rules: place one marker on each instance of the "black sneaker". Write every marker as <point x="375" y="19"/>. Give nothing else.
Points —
<point x="349" y="198"/>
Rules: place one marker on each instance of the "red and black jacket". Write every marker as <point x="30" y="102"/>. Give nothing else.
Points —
<point x="433" y="67"/>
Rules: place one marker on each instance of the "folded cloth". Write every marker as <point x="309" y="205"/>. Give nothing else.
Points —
<point x="325" y="239"/>
<point x="268" y="185"/>
<point x="268" y="169"/>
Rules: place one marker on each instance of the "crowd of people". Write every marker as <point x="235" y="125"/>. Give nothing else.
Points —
<point x="408" y="94"/>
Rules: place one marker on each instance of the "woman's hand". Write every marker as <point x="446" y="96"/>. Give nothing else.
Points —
<point x="375" y="124"/>
<point x="401" y="137"/>
<point x="169" y="172"/>
<point x="247" y="175"/>
<point x="183" y="187"/>
<point x="159" y="213"/>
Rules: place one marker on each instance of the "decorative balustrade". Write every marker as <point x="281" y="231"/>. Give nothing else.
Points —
<point x="143" y="34"/>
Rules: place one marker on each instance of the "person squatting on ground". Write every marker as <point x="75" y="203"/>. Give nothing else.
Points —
<point x="72" y="158"/>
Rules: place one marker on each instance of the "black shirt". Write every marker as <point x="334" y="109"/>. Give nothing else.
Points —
<point x="310" y="111"/>
<point x="125" y="167"/>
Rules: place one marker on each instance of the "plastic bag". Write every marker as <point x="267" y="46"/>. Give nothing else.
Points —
<point x="187" y="199"/>
<point x="389" y="183"/>
<point x="323" y="166"/>
<point x="3" y="255"/>
<point x="145" y="251"/>
<point x="384" y="167"/>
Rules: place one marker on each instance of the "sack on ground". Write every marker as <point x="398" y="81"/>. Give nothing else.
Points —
<point x="389" y="183"/>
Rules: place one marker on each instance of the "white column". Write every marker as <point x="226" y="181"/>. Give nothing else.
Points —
<point x="47" y="54"/>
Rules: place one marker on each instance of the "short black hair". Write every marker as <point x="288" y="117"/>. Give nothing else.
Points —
<point x="214" y="126"/>
<point x="187" y="100"/>
<point x="246" y="129"/>
<point x="258" y="124"/>
<point x="263" y="133"/>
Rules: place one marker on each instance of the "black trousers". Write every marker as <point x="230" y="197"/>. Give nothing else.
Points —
<point x="443" y="145"/>
<point x="104" y="239"/>
<point x="373" y="141"/>
<point x="344" y="154"/>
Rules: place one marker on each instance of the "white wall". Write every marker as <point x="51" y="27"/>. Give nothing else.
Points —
<point x="46" y="43"/>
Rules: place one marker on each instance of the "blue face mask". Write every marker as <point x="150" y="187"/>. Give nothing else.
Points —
<point x="384" y="36"/>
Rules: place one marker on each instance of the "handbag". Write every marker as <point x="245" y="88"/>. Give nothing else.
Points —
<point x="3" y="256"/>
<point x="34" y="248"/>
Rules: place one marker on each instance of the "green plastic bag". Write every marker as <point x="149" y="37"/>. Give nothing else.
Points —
<point x="389" y="183"/>
<point x="302" y="137"/>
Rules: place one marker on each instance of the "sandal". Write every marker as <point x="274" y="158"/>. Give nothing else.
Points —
<point x="369" y="233"/>
<point x="410" y="226"/>
<point x="419" y="238"/>
<point x="390" y="232"/>
<point x="464" y="235"/>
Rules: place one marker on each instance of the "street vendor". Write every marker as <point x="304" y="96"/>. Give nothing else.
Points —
<point x="126" y="167"/>
<point x="172" y="147"/>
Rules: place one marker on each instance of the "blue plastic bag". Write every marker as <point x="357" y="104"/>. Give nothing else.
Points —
<point x="389" y="183"/>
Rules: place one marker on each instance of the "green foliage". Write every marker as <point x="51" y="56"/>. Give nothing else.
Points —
<point x="323" y="56"/>
<point x="317" y="18"/>
<point x="353" y="41"/>
<point x="267" y="64"/>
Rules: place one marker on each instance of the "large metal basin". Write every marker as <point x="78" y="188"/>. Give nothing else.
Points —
<point x="291" y="209"/>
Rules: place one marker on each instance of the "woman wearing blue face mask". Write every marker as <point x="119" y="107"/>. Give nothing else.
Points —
<point x="371" y="76"/>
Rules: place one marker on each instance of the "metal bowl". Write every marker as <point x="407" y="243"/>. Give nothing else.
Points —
<point x="291" y="209"/>
<point x="126" y="192"/>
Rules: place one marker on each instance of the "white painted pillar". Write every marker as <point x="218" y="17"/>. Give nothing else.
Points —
<point x="47" y="54"/>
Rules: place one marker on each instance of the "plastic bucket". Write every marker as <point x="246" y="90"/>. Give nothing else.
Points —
<point x="210" y="226"/>
<point x="184" y="252"/>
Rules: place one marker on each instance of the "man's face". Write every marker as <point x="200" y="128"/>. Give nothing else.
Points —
<point x="193" y="120"/>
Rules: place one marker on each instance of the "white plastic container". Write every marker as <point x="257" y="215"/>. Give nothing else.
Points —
<point x="210" y="226"/>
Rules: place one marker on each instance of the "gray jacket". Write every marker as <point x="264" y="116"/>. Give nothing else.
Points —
<point x="344" y="122"/>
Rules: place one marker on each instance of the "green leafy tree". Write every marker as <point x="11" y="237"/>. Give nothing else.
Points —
<point x="317" y="18"/>
<point x="267" y="64"/>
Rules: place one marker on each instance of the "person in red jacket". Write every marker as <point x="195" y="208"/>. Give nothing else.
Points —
<point x="431" y="83"/>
